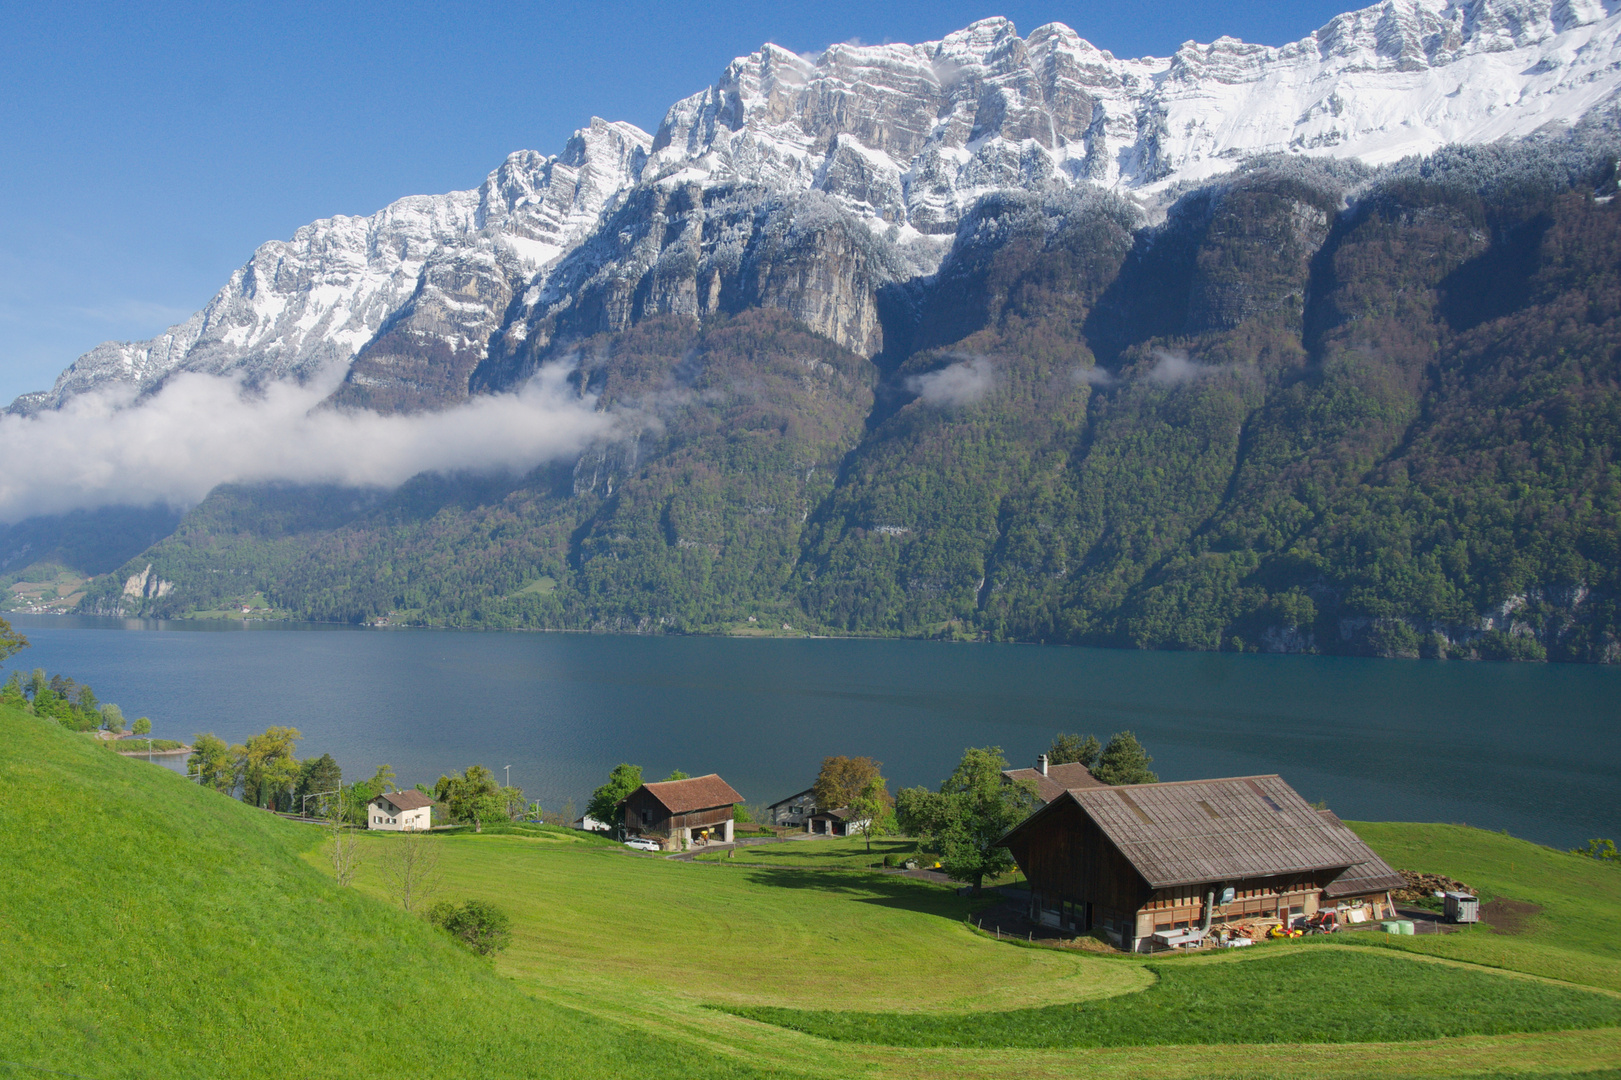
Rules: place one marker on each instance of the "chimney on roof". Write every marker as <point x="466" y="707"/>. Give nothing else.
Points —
<point x="1041" y="763"/>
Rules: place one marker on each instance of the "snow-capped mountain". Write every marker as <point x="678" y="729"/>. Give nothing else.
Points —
<point x="902" y="137"/>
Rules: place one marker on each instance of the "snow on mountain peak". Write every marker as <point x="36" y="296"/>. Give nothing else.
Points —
<point x="907" y="137"/>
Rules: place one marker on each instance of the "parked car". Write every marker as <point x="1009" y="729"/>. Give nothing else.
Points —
<point x="643" y="845"/>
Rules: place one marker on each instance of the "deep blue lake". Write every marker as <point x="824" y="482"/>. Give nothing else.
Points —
<point x="1531" y="748"/>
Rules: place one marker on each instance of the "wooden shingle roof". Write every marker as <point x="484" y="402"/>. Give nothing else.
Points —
<point x="1371" y="875"/>
<point x="694" y="793"/>
<point x="1198" y="831"/>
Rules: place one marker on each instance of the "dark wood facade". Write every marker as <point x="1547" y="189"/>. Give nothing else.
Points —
<point x="697" y="809"/>
<point x="1159" y="858"/>
<point x="646" y="815"/>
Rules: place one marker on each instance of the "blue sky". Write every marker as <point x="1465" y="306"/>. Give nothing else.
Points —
<point x="146" y="150"/>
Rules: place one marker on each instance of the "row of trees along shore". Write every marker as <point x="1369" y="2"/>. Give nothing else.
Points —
<point x="265" y="771"/>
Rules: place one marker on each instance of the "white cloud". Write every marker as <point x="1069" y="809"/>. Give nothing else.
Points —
<point x="201" y="430"/>
<point x="962" y="383"/>
<point x="1174" y="368"/>
<point x="1093" y="376"/>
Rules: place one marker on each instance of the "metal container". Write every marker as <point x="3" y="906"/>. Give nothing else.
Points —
<point x="1462" y="908"/>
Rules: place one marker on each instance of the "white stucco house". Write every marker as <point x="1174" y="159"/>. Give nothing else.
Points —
<point x="400" y="811"/>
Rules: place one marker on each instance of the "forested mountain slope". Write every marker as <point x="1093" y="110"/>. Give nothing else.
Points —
<point x="1317" y="407"/>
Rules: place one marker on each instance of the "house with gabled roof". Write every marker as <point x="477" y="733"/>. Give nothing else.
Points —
<point x="1052" y="781"/>
<point x="1145" y="859"/>
<point x="792" y="811"/>
<point x="698" y="809"/>
<point x="400" y="811"/>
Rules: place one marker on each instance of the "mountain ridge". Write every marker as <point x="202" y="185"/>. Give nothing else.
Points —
<point x="904" y="138"/>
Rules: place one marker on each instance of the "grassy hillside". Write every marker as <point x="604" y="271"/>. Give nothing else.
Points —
<point x="856" y="972"/>
<point x="148" y="928"/>
<point x="1573" y="935"/>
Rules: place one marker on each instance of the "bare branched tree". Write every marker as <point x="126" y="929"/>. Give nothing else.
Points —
<point x="411" y="868"/>
<point x="343" y="843"/>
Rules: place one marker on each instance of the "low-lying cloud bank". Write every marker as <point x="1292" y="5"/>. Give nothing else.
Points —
<point x="201" y="430"/>
<point x="962" y="383"/>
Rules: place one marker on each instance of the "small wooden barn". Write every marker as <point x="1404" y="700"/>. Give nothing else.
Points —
<point x="677" y="812"/>
<point x="1143" y="859"/>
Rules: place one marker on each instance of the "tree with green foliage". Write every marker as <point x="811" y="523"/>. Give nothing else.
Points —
<point x="142" y="726"/>
<point x="38" y="683"/>
<point x="966" y="819"/>
<point x="1072" y="749"/>
<point x="1124" y="761"/>
<point x="268" y="767"/>
<point x="317" y="776"/>
<point x="676" y="774"/>
<point x="357" y="796"/>
<point x="477" y="924"/>
<point x="605" y="800"/>
<point x="11" y="694"/>
<point x="1602" y="850"/>
<point x="871" y="810"/>
<point x="11" y="642"/>
<point x="112" y="718"/>
<point x="212" y="763"/>
<point x="473" y="796"/>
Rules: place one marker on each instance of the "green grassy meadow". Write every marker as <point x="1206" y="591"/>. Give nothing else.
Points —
<point x="148" y="928"/>
<point x="1575" y="937"/>
<point x="1214" y="1000"/>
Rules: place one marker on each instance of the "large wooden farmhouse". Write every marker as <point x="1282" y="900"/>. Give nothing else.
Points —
<point x="677" y="812"/>
<point x="1143" y="859"/>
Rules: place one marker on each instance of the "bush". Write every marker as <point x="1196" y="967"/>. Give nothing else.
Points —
<point x="482" y="927"/>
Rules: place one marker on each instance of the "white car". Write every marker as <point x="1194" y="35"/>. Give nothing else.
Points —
<point x="643" y="845"/>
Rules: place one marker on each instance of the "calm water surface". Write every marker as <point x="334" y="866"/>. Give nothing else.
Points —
<point x="1531" y="748"/>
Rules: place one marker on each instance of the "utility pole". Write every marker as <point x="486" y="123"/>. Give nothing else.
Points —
<point x="508" y="768"/>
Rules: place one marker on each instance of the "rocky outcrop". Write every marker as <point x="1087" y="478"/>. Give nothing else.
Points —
<point x="147" y="586"/>
<point x="694" y="250"/>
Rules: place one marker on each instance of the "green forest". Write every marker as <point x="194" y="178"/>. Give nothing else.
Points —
<point x="1316" y="408"/>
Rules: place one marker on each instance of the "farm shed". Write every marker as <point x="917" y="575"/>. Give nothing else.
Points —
<point x="400" y="811"/>
<point x="793" y="810"/>
<point x="840" y="822"/>
<point x="1157" y="858"/>
<point x="677" y="812"/>
<point x="1053" y="780"/>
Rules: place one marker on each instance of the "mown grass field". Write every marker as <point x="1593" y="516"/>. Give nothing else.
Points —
<point x="834" y="853"/>
<point x="151" y="929"/>
<point x="1577" y="934"/>
<point x="1213" y="1000"/>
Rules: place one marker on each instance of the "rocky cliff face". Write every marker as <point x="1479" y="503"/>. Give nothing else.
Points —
<point x="902" y="139"/>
